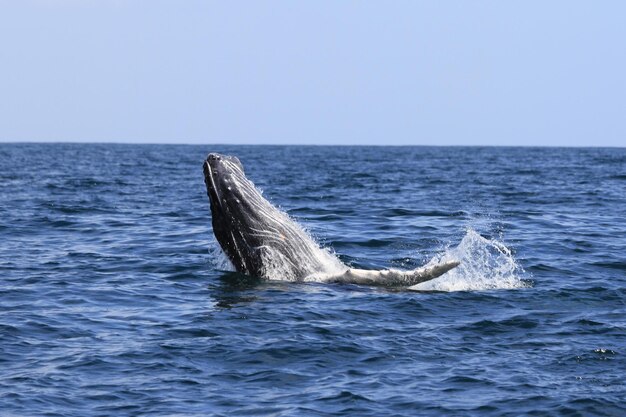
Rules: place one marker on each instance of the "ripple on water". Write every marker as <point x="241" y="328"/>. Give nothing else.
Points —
<point x="116" y="300"/>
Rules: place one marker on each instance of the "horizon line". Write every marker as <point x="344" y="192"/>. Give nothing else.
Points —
<point x="302" y="144"/>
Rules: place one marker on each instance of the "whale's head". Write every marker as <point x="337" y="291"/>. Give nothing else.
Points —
<point x="223" y="176"/>
<point x="237" y="211"/>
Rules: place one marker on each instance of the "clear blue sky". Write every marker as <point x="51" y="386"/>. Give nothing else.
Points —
<point x="315" y="72"/>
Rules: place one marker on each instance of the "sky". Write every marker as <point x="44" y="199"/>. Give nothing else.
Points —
<point x="510" y="73"/>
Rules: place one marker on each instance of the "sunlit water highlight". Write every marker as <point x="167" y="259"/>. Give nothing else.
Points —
<point x="114" y="301"/>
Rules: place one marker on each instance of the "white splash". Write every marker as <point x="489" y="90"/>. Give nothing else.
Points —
<point x="278" y="267"/>
<point x="486" y="264"/>
<point x="319" y="262"/>
<point x="218" y="258"/>
<point x="326" y="263"/>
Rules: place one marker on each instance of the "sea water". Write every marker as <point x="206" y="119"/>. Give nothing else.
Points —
<point x="115" y="298"/>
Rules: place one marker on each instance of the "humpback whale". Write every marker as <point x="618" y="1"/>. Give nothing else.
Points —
<point x="262" y="241"/>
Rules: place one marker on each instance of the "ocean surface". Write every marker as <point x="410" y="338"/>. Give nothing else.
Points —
<point x="115" y="299"/>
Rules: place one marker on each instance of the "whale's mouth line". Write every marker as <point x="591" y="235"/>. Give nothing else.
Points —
<point x="209" y="174"/>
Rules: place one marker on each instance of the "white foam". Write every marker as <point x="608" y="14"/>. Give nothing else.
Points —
<point x="319" y="261"/>
<point x="218" y="258"/>
<point x="486" y="264"/>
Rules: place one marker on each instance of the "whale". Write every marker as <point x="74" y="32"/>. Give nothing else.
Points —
<point x="263" y="241"/>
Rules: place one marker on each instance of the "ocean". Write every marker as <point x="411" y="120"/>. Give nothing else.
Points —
<point x="115" y="298"/>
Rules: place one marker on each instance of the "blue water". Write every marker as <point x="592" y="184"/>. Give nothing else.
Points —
<point x="114" y="299"/>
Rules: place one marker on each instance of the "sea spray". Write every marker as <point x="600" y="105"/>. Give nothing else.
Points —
<point x="218" y="258"/>
<point x="486" y="264"/>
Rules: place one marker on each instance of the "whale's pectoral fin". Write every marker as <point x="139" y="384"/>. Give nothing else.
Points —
<point x="426" y="274"/>
<point x="393" y="277"/>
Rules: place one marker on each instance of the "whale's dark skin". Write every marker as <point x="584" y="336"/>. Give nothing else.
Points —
<point x="262" y="241"/>
<point x="227" y="211"/>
